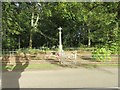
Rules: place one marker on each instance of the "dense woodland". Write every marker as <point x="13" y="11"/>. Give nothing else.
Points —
<point x="33" y="25"/>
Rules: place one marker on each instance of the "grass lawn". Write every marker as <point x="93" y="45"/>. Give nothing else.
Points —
<point x="48" y="66"/>
<point x="42" y="66"/>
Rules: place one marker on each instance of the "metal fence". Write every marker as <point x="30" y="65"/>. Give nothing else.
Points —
<point x="9" y="52"/>
<point x="13" y="51"/>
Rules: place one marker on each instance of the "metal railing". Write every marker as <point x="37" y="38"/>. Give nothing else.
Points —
<point x="9" y="52"/>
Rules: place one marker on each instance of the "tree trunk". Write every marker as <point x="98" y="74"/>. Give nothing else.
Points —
<point x="19" y="43"/>
<point x="30" y="39"/>
<point x="30" y="42"/>
<point x="33" y="25"/>
<point x="89" y="39"/>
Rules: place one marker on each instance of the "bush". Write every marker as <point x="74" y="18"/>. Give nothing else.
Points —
<point x="45" y="48"/>
<point x="83" y="46"/>
<point x="113" y="48"/>
<point x="101" y="54"/>
<point x="28" y="50"/>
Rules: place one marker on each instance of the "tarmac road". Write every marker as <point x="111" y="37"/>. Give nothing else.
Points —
<point x="102" y="77"/>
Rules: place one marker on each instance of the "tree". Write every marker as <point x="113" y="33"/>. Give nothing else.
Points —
<point x="83" y="23"/>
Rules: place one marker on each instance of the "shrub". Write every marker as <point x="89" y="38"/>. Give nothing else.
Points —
<point x="101" y="54"/>
<point x="28" y="50"/>
<point x="113" y="48"/>
<point x="45" y="48"/>
<point x="83" y="46"/>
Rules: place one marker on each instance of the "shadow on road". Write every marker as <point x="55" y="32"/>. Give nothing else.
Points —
<point x="10" y="78"/>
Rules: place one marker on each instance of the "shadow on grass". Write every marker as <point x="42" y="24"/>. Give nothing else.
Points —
<point x="87" y="65"/>
<point x="86" y="58"/>
<point x="71" y="64"/>
<point x="59" y="63"/>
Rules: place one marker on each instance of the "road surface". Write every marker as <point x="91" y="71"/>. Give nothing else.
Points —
<point x="70" y="78"/>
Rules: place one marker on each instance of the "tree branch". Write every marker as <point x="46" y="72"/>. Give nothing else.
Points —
<point x="32" y="19"/>
<point x="36" y="20"/>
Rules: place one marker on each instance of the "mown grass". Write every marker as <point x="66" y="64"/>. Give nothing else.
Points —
<point x="42" y="66"/>
<point x="53" y="66"/>
<point x="34" y="66"/>
<point x="108" y="65"/>
<point x="48" y="66"/>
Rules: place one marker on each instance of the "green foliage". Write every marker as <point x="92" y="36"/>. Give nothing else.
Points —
<point x="83" y="46"/>
<point x="101" y="54"/>
<point x="32" y="51"/>
<point x="113" y="47"/>
<point x="82" y="23"/>
<point x="28" y="50"/>
<point x="45" y="48"/>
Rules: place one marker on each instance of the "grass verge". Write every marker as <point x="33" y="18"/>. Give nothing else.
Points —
<point x="42" y="66"/>
<point x="48" y="66"/>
